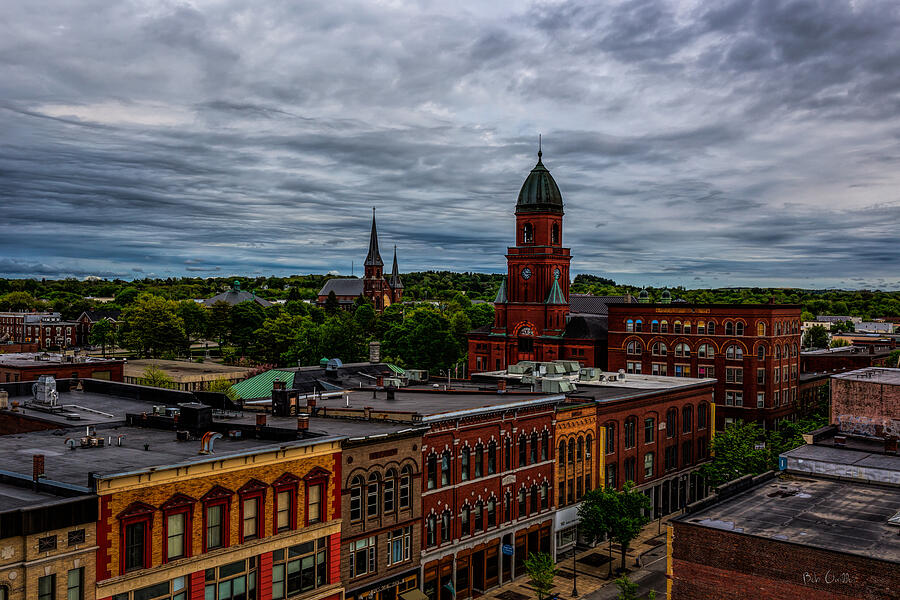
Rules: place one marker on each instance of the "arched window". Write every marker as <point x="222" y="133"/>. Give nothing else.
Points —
<point x="405" y="487"/>
<point x="648" y="465"/>
<point x="706" y="351"/>
<point x="390" y="490"/>
<point x="571" y="451"/>
<point x="628" y="432"/>
<point x="534" y="447"/>
<point x="588" y="447"/>
<point x="372" y="496"/>
<point x="776" y="352"/>
<point x="523" y="450"/>
<point x="579" y="454"/>
<point x="671" y="422"/>
<point x="629" y="325"/>
<point x="760" y="329"/>
<point x="729" y="328"/>
<point x="687" y="418"/>
<point x="545" y="496"/>
<point x="561" y="453"/>
<point x="464" y="463"/>
<point x="534" y="499"/>
<point x="527" y="234"/>
<point x="356" y="495"/>
<point x="711" y="327"/>
<point x="554" y="233"/>
<point x="687" y="327"/>
<point x="664" y="326"/>
<point x="545" y="445"/>
<point x="445" y="527"/>
<point x="478" y="520"/>
<point x="702" y="415"/>
<point x="654" y="326"/>
<point x="445" y="468"/>
<point x="793" y="349"/>
<point x="492" y="512"/>
<point x="610" y="438"/>
<point x="431" y="471"/>
<point x="760" y="352"/>
<point x="478" y="459"/>
<point x="522" y="505"/>
<point x="431" y="530"/>
<point x="676" y="327"/>
<point x="659" y="349"/>
<point x="634" y="347"/>
<point x="739" y="328"/>
<point x="682" y="350"/>
<point x="638" y="325"/>
<point x="492" y="457"/>
<point x="734" y="352"/>
<point x="464" y="520"/>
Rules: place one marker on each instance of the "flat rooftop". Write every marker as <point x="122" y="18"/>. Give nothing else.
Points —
<point x="13" y="497"/>
<point x="873" y="375"/>
<point x="822" y="513"/>
<point x="38" y="359"/>
<point x="179" y="368"/>
<point x="860" y="459"/>
<point x="90" y="408"/>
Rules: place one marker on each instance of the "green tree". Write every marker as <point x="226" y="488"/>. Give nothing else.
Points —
<point x="151" y="326"/>
<point x="331" y="303"/>
<point x="839" y="342"/>
<point x="222" y="386"/>
<point x="422" y="340"/>
<point x="246" y="318"/>
<point x="277" y="336"/>
<point x="156" y="377"/>
<point x="364" y="315"/>
<point x="460" y="325"/>
<point x="628" y="590"/>
<point x="219" y="322"/>
<point x="127" y="296"/>
<point x="815" y="337"/>
<point x="17" y="301"/>
<point x="541" y="570"/>
<point x="619" y="514"/>
<point x="102" y="334"/>
<point x="737" y="452"/>
<point x="806" y="316"/>
<point x="195" y="319"/>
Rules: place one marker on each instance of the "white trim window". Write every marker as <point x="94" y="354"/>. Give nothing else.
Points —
<point x="362" y="557"/>
<point x="399" y="545"/>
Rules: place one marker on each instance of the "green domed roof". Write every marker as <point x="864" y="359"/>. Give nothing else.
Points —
<point x="539" y="193"/>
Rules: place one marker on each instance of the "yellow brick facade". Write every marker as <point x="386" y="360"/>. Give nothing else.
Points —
<point x="576" y="427"/>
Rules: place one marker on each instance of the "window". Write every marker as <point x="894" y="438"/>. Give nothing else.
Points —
<point x="707" y="371"/>
<point x="76" y="537"/>
<point x="648" y="465"/>
<point x="760" y="376"/>
<point x="687" y="453"/>
<point x="492" y="513"/>
<point x="74" y="584"/>
<point x="739" y="328"/>
<point x="664" y="326"/>
<point x="734" y="375"/>
<point x="760" y="400"/>
<point x="47" y="587"/>
<point x="701" y="327"/>
<point x="175" y="535"/>
<point x="629" y="325"/>
<point x="314" y="512"/>
<point x="706" y="351"/>
<point x="507" y="506"/>
<point x="638" y="325"/>
<point x="702" y="415"/>
<point x="479" y="460"/>
<point x="629" y="469"/>
<point x="47" y="544"/>
<point x="686" y="418"/>
<point x="687" y="327"/>
<point x="711" y="327"/>
<point x="649" y="428"/>
<point x="545" y="445"/>
<point x="676" y="327"/>
<point x="534" y="499"/>
<point x="214" y="530"/>
<point x="492" y="457"/>
<point x="523" y="450"/>
<point x="445" y="468"/>
<point x="405" y="483"/>
<point x="588" y="445"/>
<point x="390" y="487"/>
<point x="304" y="568"/>
<point x="372" y="496"/>
<point x="445" y="527"/>
<point x="579" y="453"/>
<point x="633" y="347"/>
<point x="464" y="520"/>
<point x="561" y="454"/>
<point x="682" y="350"/>
<point x="610" y="438"/>
<point x="400" y="543"/>
<point x="777" y="352"/>
<point x="628" y="430"/>
<point x="507" y="455"/>
<point x="671" y="458"/>
<point x="431" y="472"/>
<point x="682" y="370"/>
<point x="734" y="398"/>
<point x="659" y="349"/>
<point x="611" y="476"/>
<point x="658" y="368"/>
<point x="654" y="326"/>
<point x="571" y="451"/>
<point x="734" y="352"/>
<point x="527" y="234"/>
<point x="632" y="367"/>
<point x="671" y="422"/>
<point x="545" y="496"/>
<point x="136" y="543"/>
<point x="534" y="447"/>
<point x="249" y="518"/>
<point x="478" y="517"/>
<point x="522" y="505"/>
<point x="362" y="557"/>
<point x="729" y="328"/>
<point x="356" y="494"/>
<point x="761" y="329"/>
<point x="431" y="531"/>
<point x="554" y="233"/>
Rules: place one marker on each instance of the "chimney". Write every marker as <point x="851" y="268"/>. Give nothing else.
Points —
<point x="279" y="385"/>
<point x="501" y="385"/>
<point x="37" y="467"/>
<point x="380" y="381"/>
<point x="390" y="393"/>
<point x="890" y="445"/>
<point x="311" y="402"/>
<point x="261" y="420"/>
<point x="303" y="423"/>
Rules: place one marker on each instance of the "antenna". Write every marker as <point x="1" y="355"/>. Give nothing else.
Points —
<point x="540" y="149"/>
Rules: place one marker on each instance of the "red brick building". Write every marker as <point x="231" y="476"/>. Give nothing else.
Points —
<point x="844" y="358"/>
<point x="47" y="330"/>
<point x="533" y="320"/>
<point x="866" y="402"/>
<point x="751" y="349"/>
<point x="28" y="367"/>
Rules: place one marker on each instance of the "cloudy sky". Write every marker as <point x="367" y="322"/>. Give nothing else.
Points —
<point x="696" y="143"/>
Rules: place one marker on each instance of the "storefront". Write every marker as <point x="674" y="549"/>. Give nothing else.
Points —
<point x="565" y="525"/>
<point x="390" y="588"/>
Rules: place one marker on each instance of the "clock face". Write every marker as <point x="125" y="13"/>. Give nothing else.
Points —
<point x="526" y="273"/>
<point x="556" y="273"/>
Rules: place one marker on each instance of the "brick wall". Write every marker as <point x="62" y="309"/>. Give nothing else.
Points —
<point x="864" y="398"/>
<point x="712" y="564"/>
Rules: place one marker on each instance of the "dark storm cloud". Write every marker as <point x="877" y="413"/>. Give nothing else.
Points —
<point x="737" y="142"/>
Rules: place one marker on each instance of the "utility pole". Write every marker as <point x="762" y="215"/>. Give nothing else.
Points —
<point x="575" y="565"/>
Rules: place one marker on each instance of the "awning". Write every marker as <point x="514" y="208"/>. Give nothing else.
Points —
<point x="414" y="594"/>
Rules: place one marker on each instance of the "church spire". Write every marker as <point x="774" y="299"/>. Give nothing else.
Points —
<point x="396" y="283"/>
<point x="373" y="259"/>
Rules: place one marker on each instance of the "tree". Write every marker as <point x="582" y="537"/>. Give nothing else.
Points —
<point x="17" y="301"/>
<point x="277" y="336"/>
<point x="621" y="515"/>
<point x="156" y="377"/>
<point x="195" y="319"/>
<point x="151" y="326"/>
<point x="365" y="317"/>
<point x="219" y="321"/>
<point x="839" y="342"/>
<point x="737" y="452"/>
<point x="222" y="386"/>
<point x="422" y="341"/>
<point x="127" y="296"/>
<point x="541" y="570"/>
<point x="246" y="317"/>
<point x="815" y="337"/>
<point x="806" y="316"/>
<point x="102" y="333"/>
<point x="628" y="590"/>
<point x="331" y="303"/>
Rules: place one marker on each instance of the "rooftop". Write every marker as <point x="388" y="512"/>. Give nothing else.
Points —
<point x="860" y="458"/>
<point x="37" y="359"/>
<point x="13" y="497"/>
<point x="873" y="375"/>
<point x="135" y="368"/>
<point x="843" y="516"/>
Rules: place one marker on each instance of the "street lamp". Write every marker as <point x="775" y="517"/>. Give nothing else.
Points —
<point x="575" y="565"/>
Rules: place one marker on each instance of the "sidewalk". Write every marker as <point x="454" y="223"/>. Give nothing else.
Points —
<point x="593" y="568"/>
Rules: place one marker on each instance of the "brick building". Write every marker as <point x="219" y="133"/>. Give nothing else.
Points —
<point x="47" y="330"/>
<point x="826" y="530"/>
<point x="48" y="544"/>
<point x="845" y="358"/>
<point x="30" y="366"/>
<point x="866" y="402"/>
<point x="751" y="349"/>
<point x="86" y="321"/>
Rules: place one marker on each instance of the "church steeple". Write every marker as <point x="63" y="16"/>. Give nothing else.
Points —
<point x="396" y="283"/>
<point x="373" y="259"/>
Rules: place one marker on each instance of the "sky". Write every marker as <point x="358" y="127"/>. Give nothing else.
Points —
<point x="704" y="144"/>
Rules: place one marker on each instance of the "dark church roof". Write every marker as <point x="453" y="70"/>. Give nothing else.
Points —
<point x="235" y="296"/>
<point x="373" y="258"/>
<point x="586" y="327"/>
<point x="539" y="193"/>
<point x="586" y="304"/>
<point x="342" y="287"/>
<point x="396" y="282"/>
<point x="96" y="315"/>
